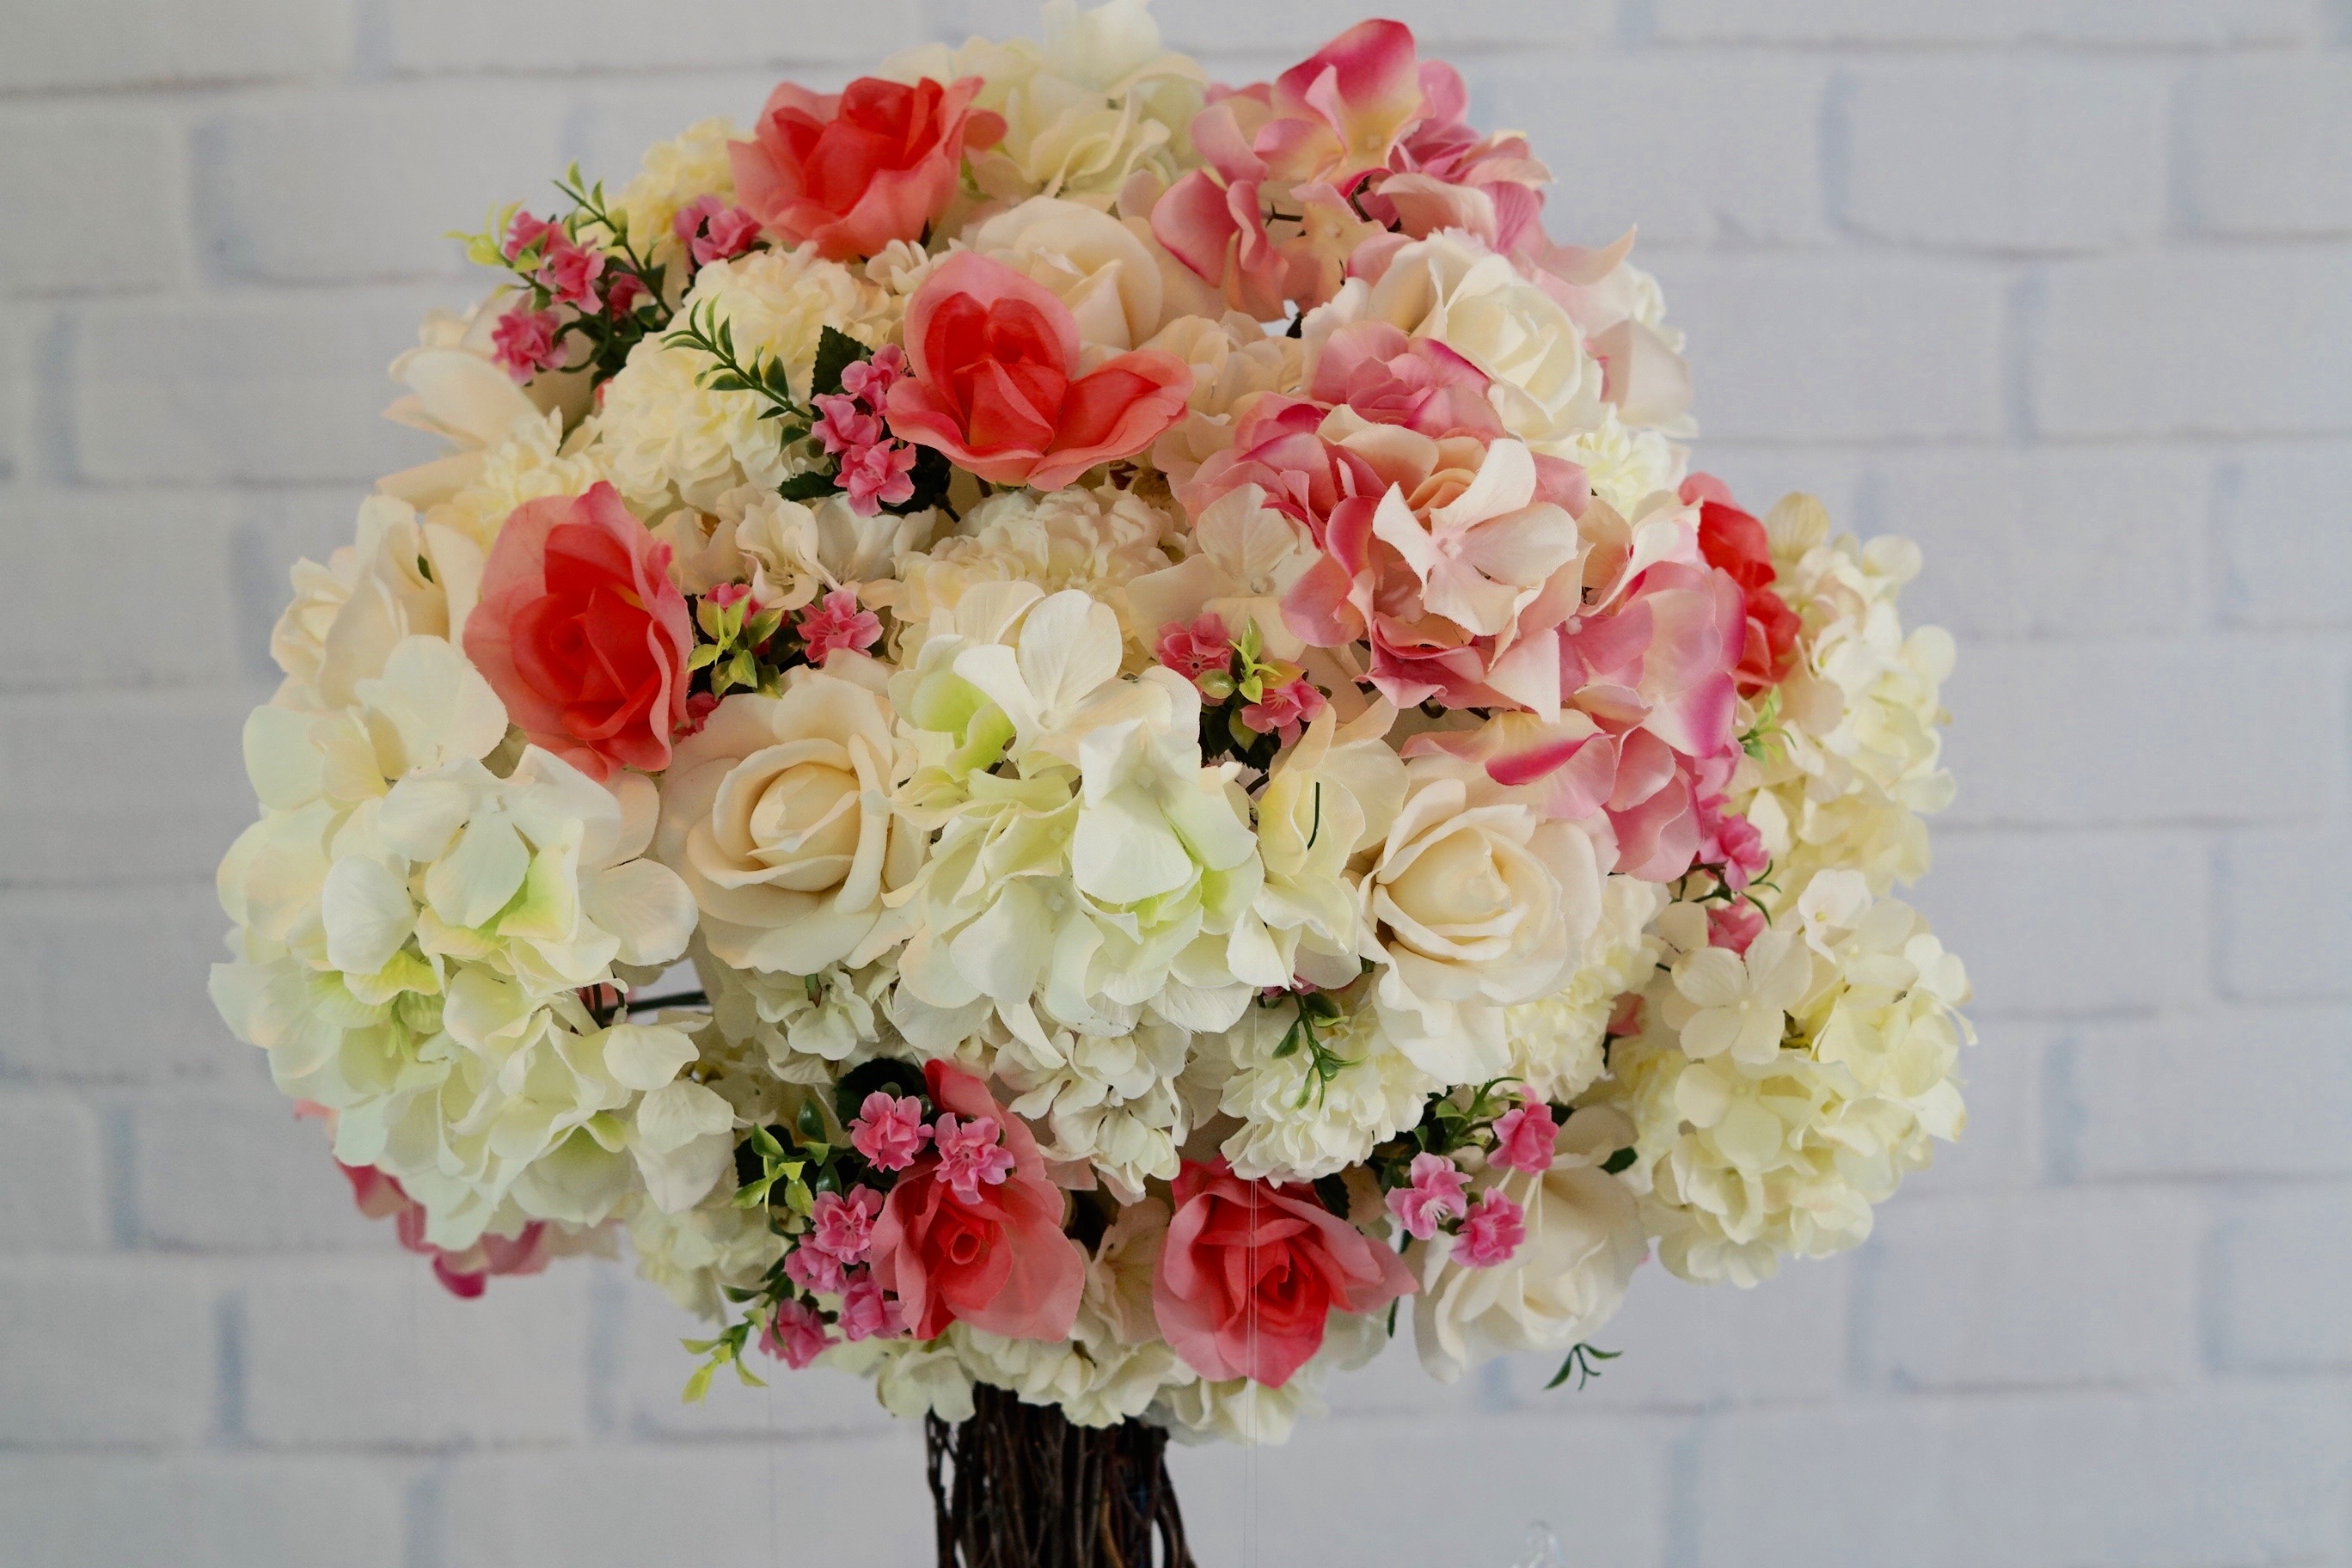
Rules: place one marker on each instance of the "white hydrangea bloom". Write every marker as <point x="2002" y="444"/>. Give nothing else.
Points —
<point x="808" y="1029"/>
<point x="1556" y="1041"/>
<point x="1096" y="541"/>
<point x="694" y="1257"/>
<point x="674" y="174"/>
<point x="1294" y="1125"/>
<point x="1240" y="1410"/>
<point x="667" y="440"/>
<point x="1107" y="1099"/>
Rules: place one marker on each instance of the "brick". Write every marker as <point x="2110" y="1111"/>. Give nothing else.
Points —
<point x="1295" y="31"/>
<point x="2144" y="1099"/>
<point x="98" y="817"/>
<point x="2077" y="543"/>
<point x="52" y="1182"/>
<point x="1961" y="154"/>
<point x="129" y="43"/>
<point x="2283" y="536"/>
<point x="1363" y="1492"/>
<point x="2072" y="923"/>
<point x="835" y="1502"/>
<point x="2149" y="21"/>
<point x="250" y="389"/>
<point x="1678" y="177"/>
<point x="2085" y="734"/>
<point x="2029" y="1288"/>
<point x="609" y="122"/>
<point x="18" y="335"/>
<point x="83" y="1011"/>
<point x="2093" y="1481"/>
<point x="70" y="177"/>
<point x="561" y="35"/>
<point x="1683" y="1346"/>
<point x="374" y="1351"/>
<point x="366" y="185"/>
<point x="816" y="1402"/>
<point x="104" y="1351"/>
<point x="223" y="1170"/>
<point x="2266" y="146"/>
<point x="2284" y="1272"/>
<point x="1817" y="348"/>
<point x="169" y="557"/>
<point x="2285" y="908"/>
<point x="2142" y="345"/>
<point x="203" y="1510"/>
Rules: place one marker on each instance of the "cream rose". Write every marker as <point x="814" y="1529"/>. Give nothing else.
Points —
<point x="777" y="814"/>
<point x="1568" y="1278"/>
<point x="1095" y="265"/>
<point x="1478" y="902"/>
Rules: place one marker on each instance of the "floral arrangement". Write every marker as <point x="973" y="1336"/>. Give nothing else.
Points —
<point x="1229" y="793"/>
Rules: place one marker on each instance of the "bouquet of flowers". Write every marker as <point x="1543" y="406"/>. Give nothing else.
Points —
<point x="1156" y="648"/>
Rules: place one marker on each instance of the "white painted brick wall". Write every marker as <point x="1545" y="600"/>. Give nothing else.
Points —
<point x="2061" y="287"/>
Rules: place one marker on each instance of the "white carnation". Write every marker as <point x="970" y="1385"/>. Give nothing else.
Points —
<point x="1296" y="1126"/>
<point x="1096" y="541"/>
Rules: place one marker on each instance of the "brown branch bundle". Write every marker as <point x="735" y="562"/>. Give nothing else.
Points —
<point x="1028" y="1489"/>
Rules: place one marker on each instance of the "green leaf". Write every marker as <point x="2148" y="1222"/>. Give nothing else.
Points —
<point x="1618" y="1162"/>
<point x="744" y="669"/>
<point x="699" y="1383"/>
<point x="813" y="484"/>
<point x="703" y="654"/>
<point x="765" y="1143"/>
<point x="1579" y="1364"/>
<point x="836" y="352"/>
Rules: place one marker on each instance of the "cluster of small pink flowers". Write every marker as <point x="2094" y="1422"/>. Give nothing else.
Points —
<point x="711" y="230"/>
<point x="875" y="469"/>
<point x="1204" y="647"/>
<point x="1434" y="1195"/>
<point x="795" y="1333"/>
<point x="524" y="342"/>
<point x="1285" y="709"/>
<point x="836" y="622"/>
<point x="1492" y="1231"/>
<point x="1524" y="1137"/>
<point x="888" y="1130"/>
<point x="832" y="1257"/>
<point x="971" y="1155"/>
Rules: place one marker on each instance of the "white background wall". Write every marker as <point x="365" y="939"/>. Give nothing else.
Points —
<point x="2061" y="288"/>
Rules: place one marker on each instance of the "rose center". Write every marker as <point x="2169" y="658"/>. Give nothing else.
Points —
<point x="807" y="822"/>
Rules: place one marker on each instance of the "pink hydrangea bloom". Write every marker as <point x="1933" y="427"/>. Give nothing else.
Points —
<point x="795" y="1334"/>
<point x="836" y="622"/>
<point x="879" y="476"/>
<point x="1434" y="1195"/>
<point x="815" y="1269"/>
<point x="523" y="342"/>
<point x="571" y="271"/>
<point x="843" y="1226"/>
<point x="1734" y="926"/>
<point x="1493" y="1230"/>
<point x="1285" y="709"/>
<point x="865" y="1313"/>
<point x="1204" y="647"/>
<point x="1524" y="1137"/>
<point x="888" y="1130"/>
<point x="971" y="1155"/>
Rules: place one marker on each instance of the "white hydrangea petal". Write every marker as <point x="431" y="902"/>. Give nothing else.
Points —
<point x="367" y="913"/>
<point x="672" y="1115"/>
<point x="646" y="1056"/>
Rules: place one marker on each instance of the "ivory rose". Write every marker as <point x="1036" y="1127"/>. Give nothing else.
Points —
<point x="1251" y="1273"/>
<point x="996" y="1261"/>
<point x="850" y="172"/>
<point x="1479" y="902"/>
<point x="999" y="386"/>
<point x="581" y="634"/>
<point x="1096" y="266"/>
<point x="777" y="816"/>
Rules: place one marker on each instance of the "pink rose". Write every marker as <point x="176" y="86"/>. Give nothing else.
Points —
<point x="1251" y="1273"/>
<point x="850" y="172"/>
<point x="997" y="1260"/>
<point x="993" y="380"/>
<point x="582" y="635"/>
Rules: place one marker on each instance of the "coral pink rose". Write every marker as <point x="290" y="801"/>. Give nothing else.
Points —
<point x="1251" y="1273"/>
<point x="850" y="172"/>
<point x="582" y="635"/>
<point x="993" y="380"/>
<point x="997" y="1260"/>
